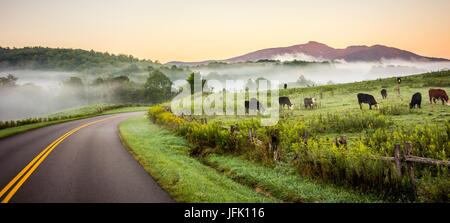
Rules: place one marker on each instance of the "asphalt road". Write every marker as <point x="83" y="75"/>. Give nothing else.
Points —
<point x="91" y="165"/>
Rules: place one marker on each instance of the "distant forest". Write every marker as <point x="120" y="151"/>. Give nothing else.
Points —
<point x="63" y="59"/>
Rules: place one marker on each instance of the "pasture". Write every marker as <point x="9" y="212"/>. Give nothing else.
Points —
<point x="341" y="99"/>
<point x="306" y="138"/>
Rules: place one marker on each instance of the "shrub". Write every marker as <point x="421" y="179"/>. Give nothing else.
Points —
<point x="356" y="166"/>
<point x="433" y="189"/>
<point x="432" y="141"/>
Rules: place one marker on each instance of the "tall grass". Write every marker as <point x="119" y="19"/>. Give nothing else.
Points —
<point x="395" y="109"/>
<point x="348" y="122"/>
<point x="357" y="165"/>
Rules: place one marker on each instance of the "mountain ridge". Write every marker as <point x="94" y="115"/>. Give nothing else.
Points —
<point x="320" y="52"/>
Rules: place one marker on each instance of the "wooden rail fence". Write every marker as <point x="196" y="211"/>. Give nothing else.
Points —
<point x="403" y="158"/>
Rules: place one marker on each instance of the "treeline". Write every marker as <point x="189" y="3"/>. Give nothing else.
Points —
<point x="30" y="100"/>
<point x="121" y="89"/>
<point x="64" y="59"/>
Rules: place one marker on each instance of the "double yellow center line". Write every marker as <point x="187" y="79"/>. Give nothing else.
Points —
<point x="26" y="172"/>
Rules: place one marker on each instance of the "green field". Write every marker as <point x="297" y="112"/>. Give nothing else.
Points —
<point x="166" y="157"/>
<point x="357" y="165"/>
<point x="219" y="178"/>
<point x="70" y="115"/>
<point x="341" y="98"/>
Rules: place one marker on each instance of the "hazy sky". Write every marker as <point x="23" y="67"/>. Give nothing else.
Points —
<point x="192" y="30"/>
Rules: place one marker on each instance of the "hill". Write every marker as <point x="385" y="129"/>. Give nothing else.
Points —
<point x="65" y="59"/>
<point x="315" y="51"/>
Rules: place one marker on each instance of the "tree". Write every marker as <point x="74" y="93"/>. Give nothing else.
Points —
<point x="158" y="86"/>
<point x="197" y="79"/>
<point x="74" y="82"/>
<point x="120" y="79"/>
<point x="260" y="80"/>
<point x="98" y="81"/>
<point x="302" y="81"/>
<point x="8" y="81"/>
<point x="251" y="84"/>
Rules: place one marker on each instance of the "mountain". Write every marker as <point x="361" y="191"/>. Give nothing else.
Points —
<point x="319" y="51"/>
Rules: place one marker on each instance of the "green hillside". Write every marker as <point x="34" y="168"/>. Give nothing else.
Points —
<point x="307" y="138"/>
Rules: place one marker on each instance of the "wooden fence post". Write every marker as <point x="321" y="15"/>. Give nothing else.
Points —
<point x="274" y="143"/>
<point x="397" y="159"/>
<point x="410" y="165"/>
<point x="304" y="136"/>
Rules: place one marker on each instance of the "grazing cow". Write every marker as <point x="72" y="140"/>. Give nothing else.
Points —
<point x="367" y="99"/>
<point x="254" y="105"/>
<point x="416" y="100"/>
<point x="284" y="101"/>
<point x="438" y="94"/>
<point x="384" y="93"/>
<point x="310" y="102"/>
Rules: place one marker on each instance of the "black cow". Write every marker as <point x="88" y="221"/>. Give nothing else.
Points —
<point x="284" y="101"/>
<point x="367" y="99"/>
<point x="384" y="93"/>
<point x="416" y="100"/>
<point x="254" y="105"/>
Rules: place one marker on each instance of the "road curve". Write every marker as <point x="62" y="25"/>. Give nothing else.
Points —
<point x="91" y="165"/>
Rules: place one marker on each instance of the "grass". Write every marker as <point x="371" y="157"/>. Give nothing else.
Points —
<point x="126" y="109"/>
<point x="16" y="130"/>
<point x="102" y="109"/>
<point x="341" y="99"/>
<point x="283" y="182"/>
<point x="338" y="114"/>
<point x="166" y="157"/>
<point x="82" y="112"/>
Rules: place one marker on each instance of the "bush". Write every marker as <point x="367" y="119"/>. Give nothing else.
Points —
<point x="433" y="189"/>
<point x="432" y="141"/>
<point x="356" y="166"/>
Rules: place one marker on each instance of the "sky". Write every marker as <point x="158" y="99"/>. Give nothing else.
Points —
<point x="195" y="30"/>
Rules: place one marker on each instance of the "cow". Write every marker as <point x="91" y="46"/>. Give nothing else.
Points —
<point x="284" y="101"/>
<point x="367" y="99"/>
<point x="310" y="102"/>
<point x="416" y="100"/>
<point x="438" y="94"/>
<point x="384" y="93"/>
<point x="254" y="105"/>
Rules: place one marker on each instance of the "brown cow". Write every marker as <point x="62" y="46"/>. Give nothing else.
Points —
<point x="438" y="94"/>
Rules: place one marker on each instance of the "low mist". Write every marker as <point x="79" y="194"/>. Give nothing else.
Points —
<point x="319" y="72"/>
<point x="36" y="92"/>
